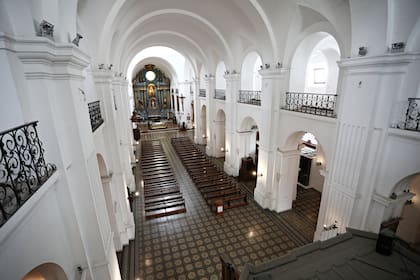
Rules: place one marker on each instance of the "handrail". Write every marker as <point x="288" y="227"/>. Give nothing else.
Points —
<point x="312" y="103"/>
<point x="95" y="115"/>
<point x="252" y="97"/>
<point x="220" y="94"/>
<point x="22" y="167"/>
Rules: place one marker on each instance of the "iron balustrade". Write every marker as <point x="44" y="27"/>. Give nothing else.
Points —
<point x="220" y="94"/>
<point x="202" y="93"/>
<point x="252" y="97"/>
<point x="311" y="103"/>
<point x="23" y="169"/>
<point x="95" y="115"/>
<point x="412" y="116"/>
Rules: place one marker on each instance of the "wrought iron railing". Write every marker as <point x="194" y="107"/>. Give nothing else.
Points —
<point x="252" y="97"/>
<point x="220" y="94"/>
<point x="311" y="103"/>
<point x="202" y="93"/>
<point x="22" y="168"/>
<point x="412" y="116"/>
<point x="95" y="115"/>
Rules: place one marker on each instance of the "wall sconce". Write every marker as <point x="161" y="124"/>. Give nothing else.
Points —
<point x="331" y="227"/>
<point x="46" y="29"/>
<point x="254" y="173"/>
<point x="204" y="136"/>
<point x="318" y="163"/>
<point x="77" y="39"/>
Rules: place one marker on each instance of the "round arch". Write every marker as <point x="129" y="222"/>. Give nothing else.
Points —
<point x="313" y="66"/>
<point x="220" y="71"/>
<point x="46" y="271"/>
<point x="250" y="77"/>
<point x="155" y="13"/>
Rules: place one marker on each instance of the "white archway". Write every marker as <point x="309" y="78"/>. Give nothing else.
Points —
<point x="250" y="77"/>
<point x="409" y="226"/>
<point x="46" y="271"/>
<point x="111" y="204"/>
<point x="313" y="67"/>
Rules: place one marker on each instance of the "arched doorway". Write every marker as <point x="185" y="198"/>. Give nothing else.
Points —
<point x="220" y="133"/>
<point x="248" y="150"/>
<point x="409" y="226"/>
<point x="46" y="271"/>
<point x="403" y="210"/>
<point x="303" y="171"/>
<point x="111" y="204"/>
<point x="204" y="125"/>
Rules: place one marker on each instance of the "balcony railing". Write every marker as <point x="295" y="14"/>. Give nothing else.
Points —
<point x="311" y="103"/>
<point x="202" y="93"/>
<point x="23" y="169"/>
<point x="252" y="97"/>
<point x="220" y="94"/>
<point x="95" y="115"/>
<point x="412" y="116"/>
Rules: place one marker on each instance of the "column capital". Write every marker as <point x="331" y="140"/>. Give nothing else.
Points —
<point x="232" y="77"/>
<point x="102" y="76"/>
<point x="273" y="73"/>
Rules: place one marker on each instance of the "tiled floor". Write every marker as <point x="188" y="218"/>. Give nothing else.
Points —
<point x="187" y="246"/>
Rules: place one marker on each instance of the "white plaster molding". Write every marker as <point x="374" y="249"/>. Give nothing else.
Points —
<point x="45" y="59"/>
<point x="308" y="116"/>
<point x="387" y="63"/>
<point x="273" y="73"/>
<point x="403" y="133"/>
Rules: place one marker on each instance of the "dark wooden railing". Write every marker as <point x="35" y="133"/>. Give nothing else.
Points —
<point x="252" y="97"/>
<point x="95" y="115"/>
<point x="229" y="272"/>
<point x="311" y="103"/>
<point x="202" y="93"/>
<point x="22" y="168"/>
<point x="220" y="94"/>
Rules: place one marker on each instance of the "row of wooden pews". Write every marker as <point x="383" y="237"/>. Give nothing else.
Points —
<point x="162" y="196"/>
<point x="213" y="184"/>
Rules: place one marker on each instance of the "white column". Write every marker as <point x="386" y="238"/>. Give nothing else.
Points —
<point x="197" y="112"/>
<point x="233" y="82"/>
<point x="210" y="114"/>
<point x="119" y="159"/>
<point x="274" y="83"/>
<point x="369" y="87"/>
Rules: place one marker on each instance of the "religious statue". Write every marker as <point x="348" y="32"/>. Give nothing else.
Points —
<point x="151" y="90"/>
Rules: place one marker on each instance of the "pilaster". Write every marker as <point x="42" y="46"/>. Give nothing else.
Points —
<point x="274" y="83"/>
<point x="233" y="84"/>
<point x="210" y="86"/>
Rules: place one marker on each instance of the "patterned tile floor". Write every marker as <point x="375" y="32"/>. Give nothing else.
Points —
<point x="187" y="246"/>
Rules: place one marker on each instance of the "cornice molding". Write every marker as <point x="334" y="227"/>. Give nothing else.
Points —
<point x="43" y="58"/>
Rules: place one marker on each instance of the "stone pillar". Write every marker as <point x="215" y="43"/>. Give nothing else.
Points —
<point x="54" y="79"/>
<point x="233" y="83"/>
<point x="210" y="86"/>
<point x="274" y="83"/>
<point x="117" y="148"/>
<point x="369" y="86"/>
<point x="197" y="111"/>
